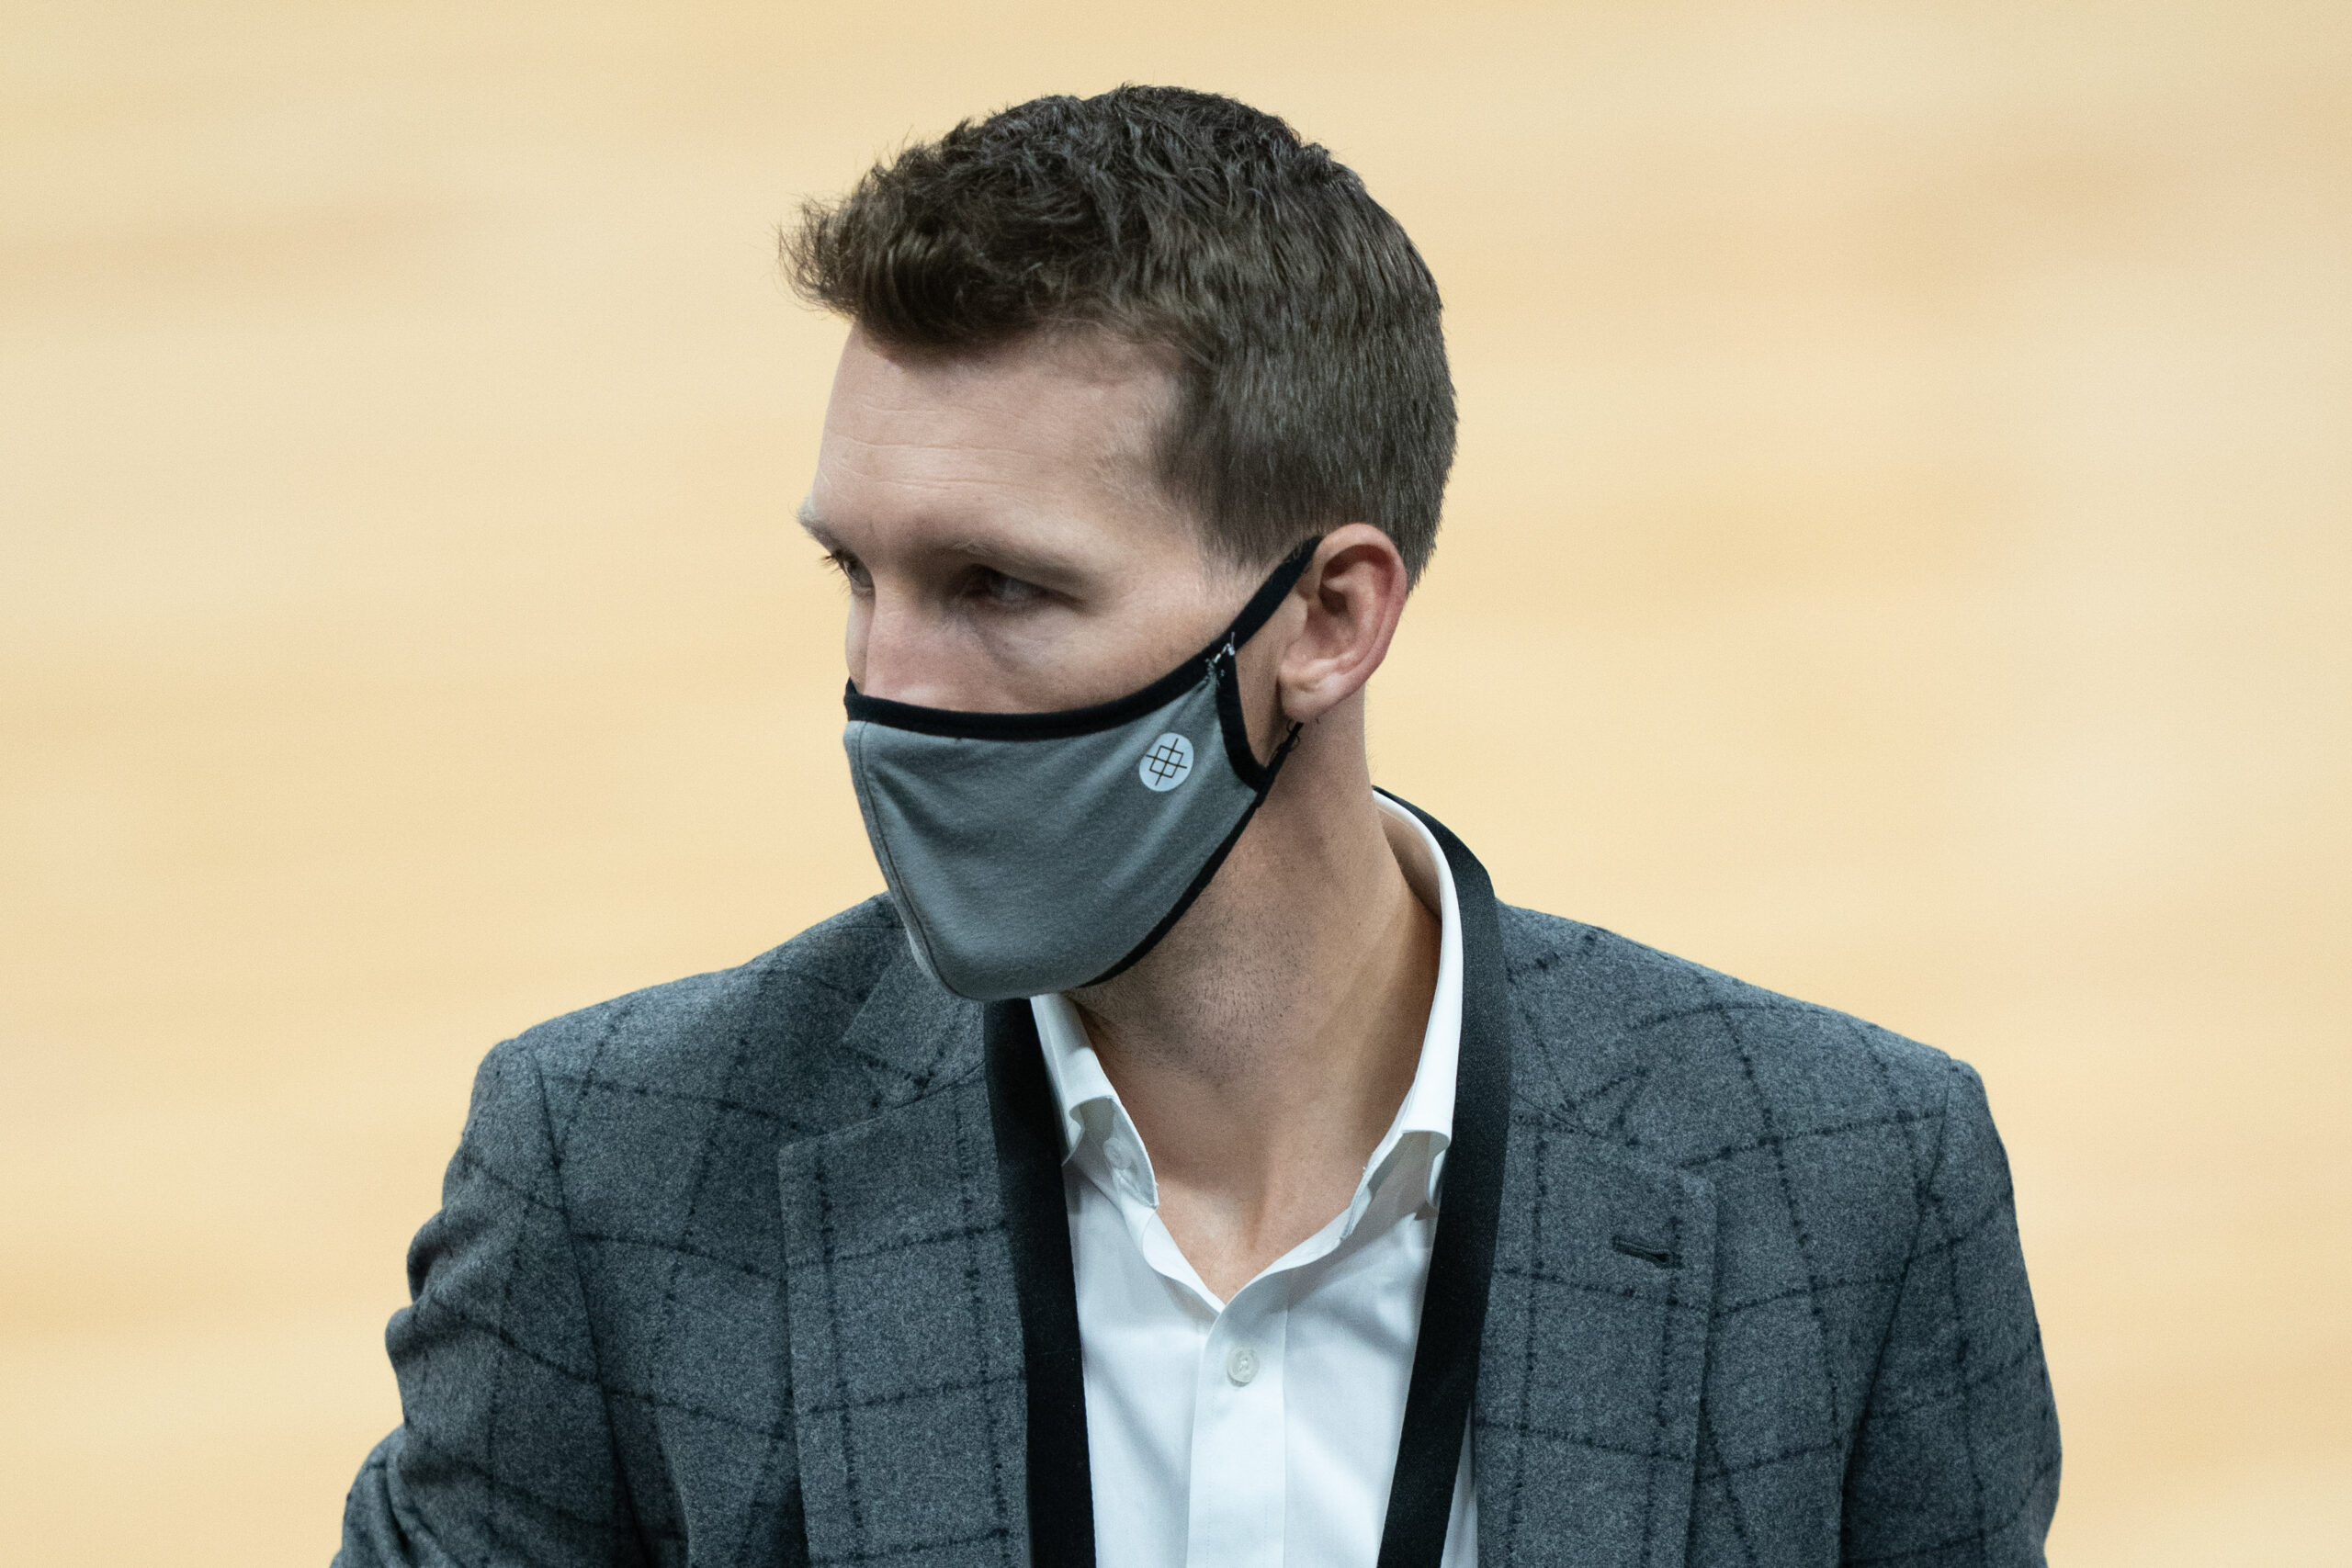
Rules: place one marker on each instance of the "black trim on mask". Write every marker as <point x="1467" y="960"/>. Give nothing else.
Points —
<point x="957" y="724"/>
<point x="1199" y="885"/>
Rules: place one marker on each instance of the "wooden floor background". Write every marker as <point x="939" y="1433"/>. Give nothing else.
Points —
<point x="1901" y="554"/>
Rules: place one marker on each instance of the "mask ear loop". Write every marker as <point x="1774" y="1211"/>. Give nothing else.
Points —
<point x="1225" y="670"/>
<point x="1258" y="777"/>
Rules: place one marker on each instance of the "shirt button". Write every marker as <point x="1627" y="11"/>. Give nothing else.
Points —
<point x="1242" y="1365"/>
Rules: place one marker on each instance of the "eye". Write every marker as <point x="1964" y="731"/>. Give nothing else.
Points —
<point x="996" y="590"/>
<point x="852" y="570"/>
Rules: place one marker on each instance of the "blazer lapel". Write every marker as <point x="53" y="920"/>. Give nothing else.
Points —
<point x="1445" y="1379"/>
<point x="1587" y="1422"/>
<point x="1594" y="1311"/>
<point x="1061" y="1494"/>
<point x="907" y="1385"/>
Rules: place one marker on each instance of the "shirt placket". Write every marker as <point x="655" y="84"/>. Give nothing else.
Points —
<point x="1240" y="1461"/>
<point x="1237" y="1491"/>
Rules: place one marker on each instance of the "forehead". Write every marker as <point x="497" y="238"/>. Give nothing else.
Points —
<point x="1074" y="414"/>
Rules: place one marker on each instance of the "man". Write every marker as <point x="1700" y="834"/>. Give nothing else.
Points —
<point x="1189" y="1161"/>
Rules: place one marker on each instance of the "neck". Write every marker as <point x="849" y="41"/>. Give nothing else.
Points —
<point x="1263" y="1047"/>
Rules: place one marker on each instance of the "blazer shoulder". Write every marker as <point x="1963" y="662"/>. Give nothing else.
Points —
<point x="756" y="1035"/>
<point x="1688" y="1061"/>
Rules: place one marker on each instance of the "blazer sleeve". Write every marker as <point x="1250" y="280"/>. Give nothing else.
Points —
<point x="505" y="1453"/>
<point x="1956" y="1459"/>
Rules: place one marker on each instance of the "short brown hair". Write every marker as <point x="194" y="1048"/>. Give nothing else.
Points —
<point x="1301" y="324"/>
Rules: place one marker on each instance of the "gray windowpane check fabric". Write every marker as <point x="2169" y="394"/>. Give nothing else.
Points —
<point x="720" y="1277"/>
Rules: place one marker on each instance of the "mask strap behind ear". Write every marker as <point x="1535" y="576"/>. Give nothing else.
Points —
<point x="1259" y="776"/>
<point x="1270" y="594"/>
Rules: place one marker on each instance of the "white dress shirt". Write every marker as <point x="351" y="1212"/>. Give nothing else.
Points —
<point x="1260" y="1432"/>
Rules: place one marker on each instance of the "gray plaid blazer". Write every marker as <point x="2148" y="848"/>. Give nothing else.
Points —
<point x="721" y="1275"/>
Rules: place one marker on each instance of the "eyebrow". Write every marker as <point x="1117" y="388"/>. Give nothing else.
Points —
<point x="813" y="524"/>
<point x="1048" y="569"/>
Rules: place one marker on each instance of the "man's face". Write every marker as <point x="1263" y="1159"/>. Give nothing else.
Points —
<point x="1006" y="548"/>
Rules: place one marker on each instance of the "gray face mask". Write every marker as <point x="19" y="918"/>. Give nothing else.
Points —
<point x="1032" y="852"/>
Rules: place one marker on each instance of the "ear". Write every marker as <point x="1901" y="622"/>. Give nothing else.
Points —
<point x="1354" y="591"/>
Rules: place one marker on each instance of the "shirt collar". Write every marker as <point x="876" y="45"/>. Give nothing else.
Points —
<point x="1428" y="1108"/>
<point x="1098" y="1134"/>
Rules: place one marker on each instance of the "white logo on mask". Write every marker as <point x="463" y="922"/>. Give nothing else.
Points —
<point x="1166" y="764"/>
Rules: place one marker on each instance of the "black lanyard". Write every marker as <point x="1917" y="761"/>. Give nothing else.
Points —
<point x="1454" y="1307"/>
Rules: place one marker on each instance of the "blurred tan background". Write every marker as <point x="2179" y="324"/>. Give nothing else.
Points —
<point x="1899" y="554"/>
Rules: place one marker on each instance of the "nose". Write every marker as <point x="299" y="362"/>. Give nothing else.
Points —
<point x="899" y="651"/>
